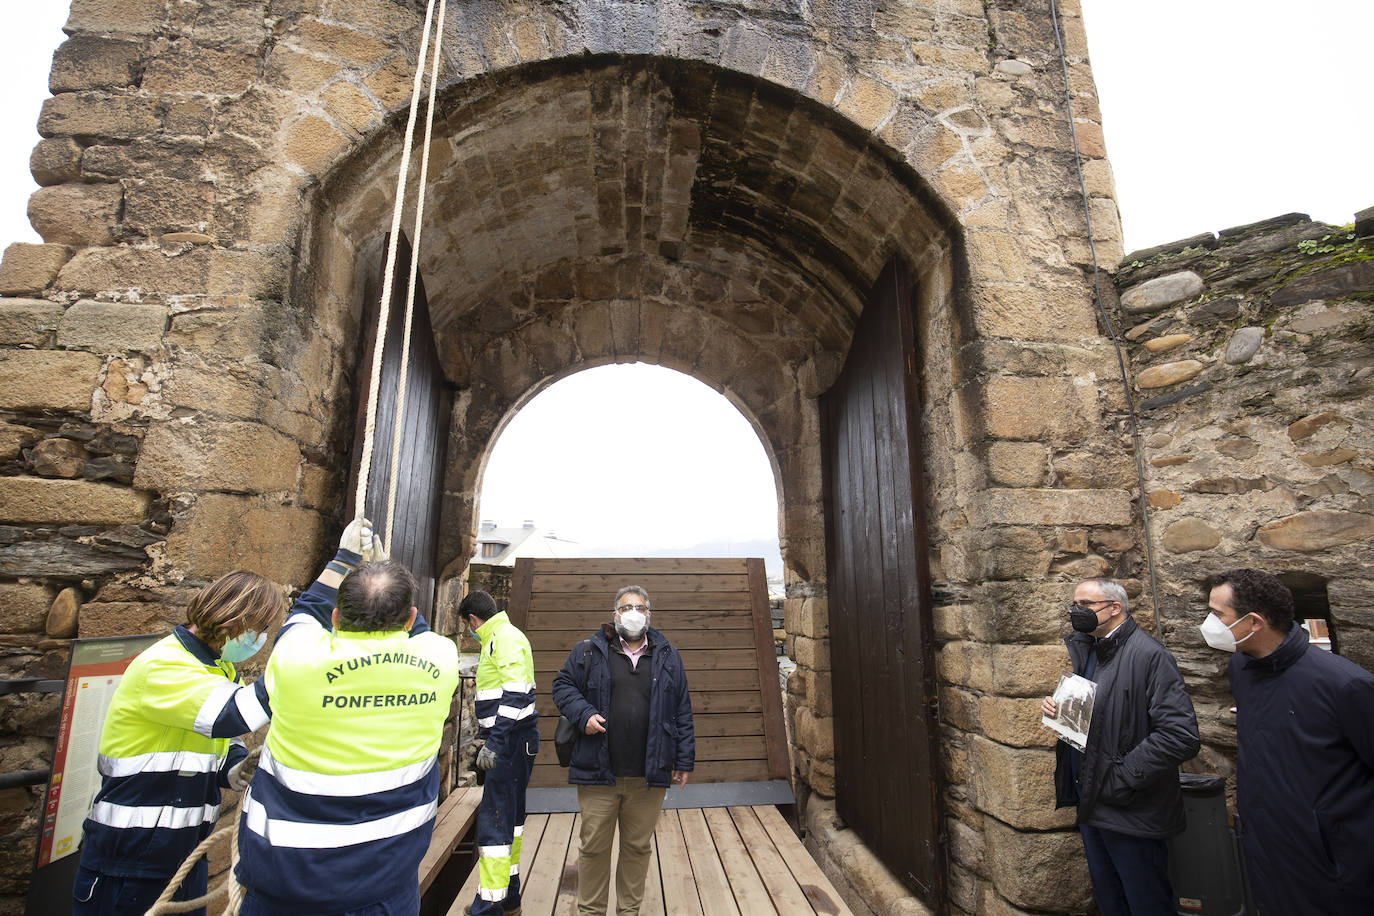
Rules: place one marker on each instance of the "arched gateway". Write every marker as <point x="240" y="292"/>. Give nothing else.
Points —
<point x="861" y="222"/>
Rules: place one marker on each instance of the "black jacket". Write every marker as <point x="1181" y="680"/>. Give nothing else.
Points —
<point x="671" y="743"/>
<point x="1305" y="779"/>
<point x="1142" y="728"/>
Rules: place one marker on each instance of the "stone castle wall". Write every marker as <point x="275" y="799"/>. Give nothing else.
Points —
<point x="710" y="186"/>
<point x="1252" y="355"/>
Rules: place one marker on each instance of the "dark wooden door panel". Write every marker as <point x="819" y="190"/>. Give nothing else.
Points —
<point x="886" y="763"/>
<point x="424" y="429"/>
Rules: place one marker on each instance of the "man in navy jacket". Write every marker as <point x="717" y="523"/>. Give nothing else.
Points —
<point x="626" y="691"/>
<point x="1305" y="768"/>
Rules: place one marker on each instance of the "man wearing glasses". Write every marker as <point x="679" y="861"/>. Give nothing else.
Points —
<point x="626" y="691"/>
<point x="1125" y="781"/>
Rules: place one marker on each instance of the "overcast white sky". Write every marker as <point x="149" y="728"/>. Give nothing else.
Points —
<point x="1217" y="113"/>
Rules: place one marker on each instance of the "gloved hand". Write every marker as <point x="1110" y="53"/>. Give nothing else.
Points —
<point x="240" y="776"/>
<point x="376" y="551"/>
<point x="358" y="538"/>
<point x="486" y="758"/>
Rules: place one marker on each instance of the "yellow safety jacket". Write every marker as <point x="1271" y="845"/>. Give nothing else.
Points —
<point x="165" y="752"/>
<point x="342" y="806"/>
<point x="505" y="683"/>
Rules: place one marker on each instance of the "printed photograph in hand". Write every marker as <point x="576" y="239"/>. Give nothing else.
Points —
<point x="1074" y="697"/>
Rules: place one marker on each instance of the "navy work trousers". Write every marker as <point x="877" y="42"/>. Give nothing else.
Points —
<point x="97" y="894"/>
<point x="1130" y="874"/>
<point x="501" y="823"/>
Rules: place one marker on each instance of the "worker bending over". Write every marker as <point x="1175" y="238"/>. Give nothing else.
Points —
<point x="341" y="809"/>
<point x="169" y="744"/>
<point x="507" y="719"/>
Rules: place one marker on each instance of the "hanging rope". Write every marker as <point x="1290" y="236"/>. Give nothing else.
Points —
<point x="410" y="287"/>
<point x="384" y="311"/>
<point x="230" y="886"/>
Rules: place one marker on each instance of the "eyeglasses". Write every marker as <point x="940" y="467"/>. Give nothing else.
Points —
<point x="1089" y="604"/>
<point x="632" y="607"/>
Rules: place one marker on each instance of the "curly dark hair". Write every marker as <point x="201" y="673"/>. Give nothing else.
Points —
<point x="479" y="604"/>
<point x="1256" y="592"/>
<point x="376" y="597"/>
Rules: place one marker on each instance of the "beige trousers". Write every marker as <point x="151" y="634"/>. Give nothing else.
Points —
<point x="634" y="807"/>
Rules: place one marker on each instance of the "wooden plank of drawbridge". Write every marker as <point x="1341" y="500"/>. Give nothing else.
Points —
<point x="696" y="661"/>
<point x="547" y="871"/>
<point x="551" y="775"/>
<point x="786" y="894"/>
<point x="564" y="639"/>
<point x="814" y="884"/>
<point x="712" y="883"/>
<point x="644" y="565"/>
<point x="566" y="902"/>
<point x="653" y="885"/>
<point x="607" y="585"/>
<point x="744" y="879"/>
<point x="776" y="749"/>
<point x="565" y="615"/>
<point x="582" y="605"/>
<point x="456" y="816"/>
<point x="681" y="896"/>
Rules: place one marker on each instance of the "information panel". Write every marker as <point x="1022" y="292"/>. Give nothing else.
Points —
<point x="96" y="668"/>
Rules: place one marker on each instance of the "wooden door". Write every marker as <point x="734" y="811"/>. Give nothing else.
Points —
<point x="883" y="688"/>
<point x="424" y="431"/>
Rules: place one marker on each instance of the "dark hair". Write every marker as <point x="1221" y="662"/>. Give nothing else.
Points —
<point x="1256" y="592"/>
<point x="478" y="604"/>
<point x="376" y="597"/>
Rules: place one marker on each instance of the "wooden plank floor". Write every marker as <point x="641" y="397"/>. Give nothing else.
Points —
<point x="742" y="861"/>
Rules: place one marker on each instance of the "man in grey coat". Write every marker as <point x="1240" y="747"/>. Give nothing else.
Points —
<point x="1125" y="781"/>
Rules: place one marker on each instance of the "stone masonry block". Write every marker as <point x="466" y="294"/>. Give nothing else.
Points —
<point x="1018" y="464"/>
<point x="28" y="322"/>
<point x="217" y="456"/>
<point x="90" y="62"/>
<point x="117" y="117"/>
<point x="28" y="269"/>
<point x="1056" y="507"/>
<point x="128" y="17"/>
<point x="32" y="500"/>
<point x="76" y="214"/>
<point x="1015" y="785"/>
<point x="55" y="161"/>
<point x="1039" y="871"/>
<point x="47" y="379"/>
<point x="23" y="607"/>
<point x="120" y="618"/>
<point x="1039" y="409"/>
<point x="1014" y="722"/>
<point x="816" y="734"/>
<point x="813" y="653"/>
<point x="222" y="532"/>
<point x="112" y="327"/>
<point x="1031" y="313"/>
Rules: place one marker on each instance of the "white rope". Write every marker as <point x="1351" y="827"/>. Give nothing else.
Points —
<point x="384" y="312"/>
<point x="410" y="288"/>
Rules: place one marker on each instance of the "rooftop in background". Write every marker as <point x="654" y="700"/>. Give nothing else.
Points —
<point x="501" y="546"/>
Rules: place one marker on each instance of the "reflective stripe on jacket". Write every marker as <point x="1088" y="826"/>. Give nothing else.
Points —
<point x="341" y="809"/>
<point x="165" y="752"/>
<point x="504" y="701"/>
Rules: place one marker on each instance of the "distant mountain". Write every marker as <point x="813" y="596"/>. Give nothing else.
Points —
<point x="761" y="547"/>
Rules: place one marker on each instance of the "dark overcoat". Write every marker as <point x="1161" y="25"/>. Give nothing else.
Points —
<point x="671" y="743"/>
<point x="1142" y="728"/>
<point x="1305" y="779"/>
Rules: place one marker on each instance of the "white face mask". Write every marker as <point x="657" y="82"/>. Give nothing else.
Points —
<point x="1219" y="635"/>
<point x="631" y="624"/>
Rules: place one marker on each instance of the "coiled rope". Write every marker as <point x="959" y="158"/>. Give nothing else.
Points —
<point x="230" y="887"/>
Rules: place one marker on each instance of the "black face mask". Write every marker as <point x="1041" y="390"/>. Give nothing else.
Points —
<point x="1083" y="619"/>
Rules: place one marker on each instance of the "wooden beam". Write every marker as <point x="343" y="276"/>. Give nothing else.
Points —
<point x="768" y="672"/>
<point x="455" y="817"/>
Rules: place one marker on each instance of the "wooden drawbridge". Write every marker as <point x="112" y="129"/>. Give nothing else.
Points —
<point x="721" y="846"/>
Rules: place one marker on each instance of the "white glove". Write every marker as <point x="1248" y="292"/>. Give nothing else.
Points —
<point x="486" y="758"/>
<point x="357" y="537"/>
<point x="376" y="551"/>
<point x="238" y="779"/>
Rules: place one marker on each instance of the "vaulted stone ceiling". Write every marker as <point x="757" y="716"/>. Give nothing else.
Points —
<point x="633" y="178"/>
